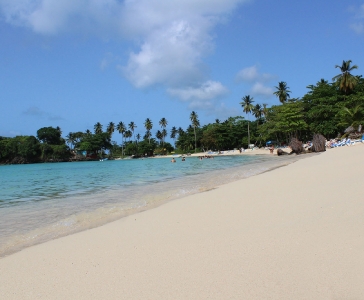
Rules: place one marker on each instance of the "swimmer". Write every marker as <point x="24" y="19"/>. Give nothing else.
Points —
<point x="173" y="160"/>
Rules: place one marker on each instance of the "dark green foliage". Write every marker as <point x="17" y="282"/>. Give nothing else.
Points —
<point x="50" y="135"/>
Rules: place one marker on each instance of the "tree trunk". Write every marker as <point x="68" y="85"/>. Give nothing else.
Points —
<point x="194" y="129"/>
<point x="248" y="135"/>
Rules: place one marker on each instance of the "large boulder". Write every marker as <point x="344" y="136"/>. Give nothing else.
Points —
<point x="318" y="143"/>
<point x="296" y="146"/>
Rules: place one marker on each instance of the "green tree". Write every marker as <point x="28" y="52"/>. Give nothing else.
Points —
<point x="121" y="128"/>
<point x="110" y="128"/>
<point x="148" y="124"/>
<point x="247" y="105"/>
<point x="282" y="92"/>
<point x="195" y="123"/>
<point x="98" y="128"/>
<point x="132" y="127"/>
<point x="173" y="135"/>
<point x="163" y="123"/>
<point x="351" y="117"/>
<point x="159" y="136"/>
<point x="345" y="80"/>
<point x="50" y="135"/>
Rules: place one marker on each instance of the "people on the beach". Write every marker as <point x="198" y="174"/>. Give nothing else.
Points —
<point x="271" y="149"/>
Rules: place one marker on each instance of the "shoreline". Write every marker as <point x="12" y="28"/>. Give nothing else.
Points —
<point x="289" y="233"/>
<point x="153" y="197"/>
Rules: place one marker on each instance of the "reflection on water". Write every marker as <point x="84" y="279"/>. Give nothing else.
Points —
<point x="45" y="201"/>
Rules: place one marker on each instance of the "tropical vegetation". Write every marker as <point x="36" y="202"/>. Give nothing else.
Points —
<point x="328" y="108"/>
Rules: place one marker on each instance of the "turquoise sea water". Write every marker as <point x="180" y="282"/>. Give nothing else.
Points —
<point x="40" y="202"/>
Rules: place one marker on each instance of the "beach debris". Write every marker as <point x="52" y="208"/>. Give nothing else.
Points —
<point x="296" y="146"/>
<point x="281" y="152"/>
<point x="318" y="143"/>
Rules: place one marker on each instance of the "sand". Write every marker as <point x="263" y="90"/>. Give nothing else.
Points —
<point x="296" y="232"/>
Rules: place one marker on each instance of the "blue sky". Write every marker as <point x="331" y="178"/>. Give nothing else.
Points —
<point x="73" y="63"/>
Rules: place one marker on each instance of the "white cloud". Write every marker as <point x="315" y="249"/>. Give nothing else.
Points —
<point x="172" y="38"/>
<point x="248" y="74"/>
<point x="257" y="80"/>
<point x="170" y="56"/>
<point x="358" y="25"/>
<point x="260" y="89"/>
<point x="251" y="74"/>
<point x="208" y="91"/>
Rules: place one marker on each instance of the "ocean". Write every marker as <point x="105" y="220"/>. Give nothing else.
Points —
<point x="41" y="202"/>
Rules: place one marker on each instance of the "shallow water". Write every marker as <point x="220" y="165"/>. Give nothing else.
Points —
<point x="40" y="202"/>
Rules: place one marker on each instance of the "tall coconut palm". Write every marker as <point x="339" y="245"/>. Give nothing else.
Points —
<point x="121" y="128"/>
<point x="345" y="80"/>
<point x="132" y="127"/>
<point x="148" y="124"/>
<point x="88" y="132"/>
<point x="247" y="105"/>
<point x="257" y="111"/>
<point x="138" y="137"/>
<point x="164" y="134"/>
<point x="71" y="139"/>
<point x="159" y="136"/>
<point x="195" y="123"/>
<point x="282" y="92"/>
<point x="110" y="128"/>
<point x="180" y="131"/>
<point x="163" y="123"/>
<point x="147" y="135"/>
<point x="98" y="128"/>
<point x="217" y="121"/>
<point x="265" y="109"/>
<point x="174" y="133"/>
<point x="128" y="134"/>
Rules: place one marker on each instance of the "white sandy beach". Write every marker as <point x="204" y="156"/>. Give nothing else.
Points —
<point x="296" y="232"/>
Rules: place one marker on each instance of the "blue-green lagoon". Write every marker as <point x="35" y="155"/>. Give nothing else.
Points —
<point x="40" y="202"/>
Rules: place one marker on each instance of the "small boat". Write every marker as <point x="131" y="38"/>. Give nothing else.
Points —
<point x="104" y="159"/>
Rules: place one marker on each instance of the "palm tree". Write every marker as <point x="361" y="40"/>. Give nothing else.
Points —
<point x="257" y="111"/>
<point x="110" y="129"/>
<point x="121" y="128"/>
<point x="217" y="121"/>
<point x="71" y="139"/>
<point x="138" y="137"/>
<point x="159" y="136"/>
<point x="265" y="110"/>
<point x="195" y="123"/>
<point x="163" y="123"/>
<point x="247" y="105"/>
<point x="98" y="128"/>
<point x="174" y="133"/>
<point x="132" y="127"/>
<point x="148" y="124"/>
<point x="351" y="117"/>
<point x="180" y="131"/>
<point x="128" y="134"/>
<point x="282" y="91"/>
<point x="164" y="134"/>
<point x="147" y="136"/>
<point x="345" y="80"/>
<point x="88" y="132"/>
